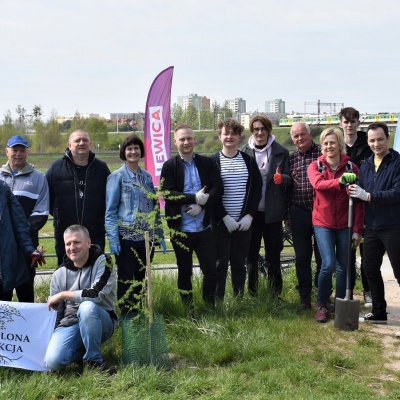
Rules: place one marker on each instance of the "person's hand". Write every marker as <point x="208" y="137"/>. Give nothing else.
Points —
<point x="245" y="222"/>
<point x="163" y="246"/>
<point x="54" y="301"/>
<point x="193" y="210"/>
<point x="278" y="176"/>
<point x="356" y="240"/>
<point x="115" y="249"/>
<point x="202" y="197"/>
<point x="348" y="177"/>
<point x="37" y="257"/>
<point x="230" y="223"/>
<point x="358" y="192"/>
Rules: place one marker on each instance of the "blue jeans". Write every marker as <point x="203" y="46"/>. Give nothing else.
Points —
<point x="332" y="245"/>
<point x="69" y="344"/>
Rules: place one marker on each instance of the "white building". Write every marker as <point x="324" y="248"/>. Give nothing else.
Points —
<point x="198" y="102"/>
<point x="275" y="106"/>
<point x="237" y="105"/>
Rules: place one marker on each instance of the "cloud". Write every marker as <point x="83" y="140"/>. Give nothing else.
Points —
<point x="101" y="56"/>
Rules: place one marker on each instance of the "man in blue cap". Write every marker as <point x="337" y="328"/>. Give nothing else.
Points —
<point x="30" y="188"/>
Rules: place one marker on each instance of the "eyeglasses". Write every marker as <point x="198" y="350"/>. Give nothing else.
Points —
<point x="262" y="129"/>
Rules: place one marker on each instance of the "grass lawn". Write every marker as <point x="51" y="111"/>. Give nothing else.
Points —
<point x="254" y="348"/>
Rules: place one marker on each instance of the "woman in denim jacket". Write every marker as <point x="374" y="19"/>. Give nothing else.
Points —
<point x="130" y="211"/>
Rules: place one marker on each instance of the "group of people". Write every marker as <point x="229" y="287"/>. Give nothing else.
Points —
<point x="219" y="207"/>
<point x="347" y="163"/>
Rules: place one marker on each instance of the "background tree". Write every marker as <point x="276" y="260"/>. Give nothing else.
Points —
<point x="21" y="121"/>
<point x="7" y="129"/>
<point x="52" y="137"/>
<point x="98" y="132"/>
<point x="38" y="127"/>
<point x="176" y="116"/>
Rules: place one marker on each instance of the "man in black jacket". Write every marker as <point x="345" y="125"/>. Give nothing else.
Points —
<point x="191" y="185"/>
<point x="77" y="186"/>
<point x="358" y="150"/>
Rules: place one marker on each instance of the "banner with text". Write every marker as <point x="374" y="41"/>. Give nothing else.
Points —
<point x="157" y="124"/>
<point x="25" y="331"/>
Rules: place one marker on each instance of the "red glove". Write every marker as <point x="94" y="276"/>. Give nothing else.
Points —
<point x="37" y="257"/>
<point x="278" y="176"/>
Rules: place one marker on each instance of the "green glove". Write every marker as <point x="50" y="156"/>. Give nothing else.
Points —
<point x="348" y="177"/>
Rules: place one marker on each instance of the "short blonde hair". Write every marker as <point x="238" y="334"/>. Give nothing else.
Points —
<point x="333" y="131"/>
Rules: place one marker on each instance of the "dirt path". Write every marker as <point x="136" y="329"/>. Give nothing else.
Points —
<point x="387" y="333"/>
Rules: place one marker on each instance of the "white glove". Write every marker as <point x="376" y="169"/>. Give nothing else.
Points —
<point x="263" y="172"/>
<point x="201" y="197"/>
<point x="358" y="192"/>
<point x="245" y="222"/>
<point x="193" y="210"/>
<point x="230" y="223"/>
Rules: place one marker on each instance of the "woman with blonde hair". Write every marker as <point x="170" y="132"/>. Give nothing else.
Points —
<point x="329" y="175"/>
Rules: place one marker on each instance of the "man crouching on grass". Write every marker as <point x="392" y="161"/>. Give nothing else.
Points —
<point x="83" y="292"/>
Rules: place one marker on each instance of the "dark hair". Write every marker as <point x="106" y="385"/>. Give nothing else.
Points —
<point x="132" y="139"/>
<point x="349" y="113"/>
<point x="264" y="120"/>
<point x="231" y="123"/>
<point x="376" y="125"/>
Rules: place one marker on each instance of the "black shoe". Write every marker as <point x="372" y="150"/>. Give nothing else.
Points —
<point x="305" y="301"/>
<point x="376" y="318"/>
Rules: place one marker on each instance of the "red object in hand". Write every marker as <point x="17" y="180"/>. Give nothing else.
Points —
<point x="37" y="257"/>
<point x="278" y="176"/>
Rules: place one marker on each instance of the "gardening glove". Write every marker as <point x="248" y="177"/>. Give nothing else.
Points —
<point x="163" y="246"/>
<point x="278" y="176"/>
<point x="358" y="192"/>
<point x="245" y="222"/>
<point x="230" y="223"/>
<point x="202" y="197"/>
<point x="193" y="210"/>
<point x="115" y="249"/>
<point x="348" y="177"/>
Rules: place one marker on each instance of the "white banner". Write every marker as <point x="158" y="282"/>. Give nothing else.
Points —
<point x="25" y="331"/>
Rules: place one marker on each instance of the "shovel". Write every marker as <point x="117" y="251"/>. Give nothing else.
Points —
<point x="347" y="310"/>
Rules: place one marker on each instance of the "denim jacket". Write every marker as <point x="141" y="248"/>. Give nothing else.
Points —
<point x="125" y="197"/>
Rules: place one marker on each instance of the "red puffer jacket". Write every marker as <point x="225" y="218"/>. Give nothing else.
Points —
<point x="331" y="202"/>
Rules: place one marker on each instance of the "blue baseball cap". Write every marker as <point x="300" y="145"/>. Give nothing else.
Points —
<point x="17" y="141"/>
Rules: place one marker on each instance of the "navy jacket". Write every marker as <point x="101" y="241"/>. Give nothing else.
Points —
<point x="383" y="211"/>
<point x="63" y="188"/>
<point x="15" y="243"/>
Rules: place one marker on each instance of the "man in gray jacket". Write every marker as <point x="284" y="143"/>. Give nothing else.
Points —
<point x="83" y="292"/>
<point x="30" y="187"/>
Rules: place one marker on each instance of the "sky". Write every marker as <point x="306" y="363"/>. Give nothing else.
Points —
<point x="101" y="56"/>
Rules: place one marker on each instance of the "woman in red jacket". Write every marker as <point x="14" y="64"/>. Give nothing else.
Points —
<point x="329" y="176"/>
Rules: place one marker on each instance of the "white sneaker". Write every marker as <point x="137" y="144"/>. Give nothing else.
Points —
<point x="367" y="299"/>
<point x="398" y="333"/>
